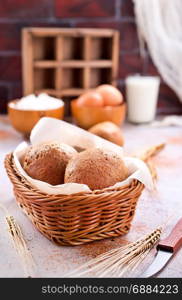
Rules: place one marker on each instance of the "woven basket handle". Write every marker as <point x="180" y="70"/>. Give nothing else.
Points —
<point x="174" y="241"/>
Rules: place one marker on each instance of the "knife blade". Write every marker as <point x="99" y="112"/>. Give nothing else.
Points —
<point x="165" y="251"/>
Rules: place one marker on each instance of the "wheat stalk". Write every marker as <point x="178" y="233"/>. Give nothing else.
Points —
<point x="147" y="155"/>
<point x="152" y="151"/>
<point x="20" y="244"/>
<point x="152" y="169"/>
<point x="119" y="261"/>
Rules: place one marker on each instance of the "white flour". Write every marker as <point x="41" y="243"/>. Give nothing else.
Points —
<point x="40" y="102"/>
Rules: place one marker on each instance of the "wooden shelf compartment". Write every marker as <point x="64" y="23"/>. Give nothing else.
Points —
<point x="72" y="48"/>
<point x="100" y="76"/>
<point x="44" y="48"/>
<point x="102" y="48"/>
<point x="44" y="77"/>
<point x="72" y="78"/>
<point x="66" y="62"/>
<point x="62" y="93"/>
<point x="73" y="64"/>
<point x="72" y="32"/>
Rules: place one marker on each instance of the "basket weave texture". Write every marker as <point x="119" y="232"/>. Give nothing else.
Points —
<point x="79" y="218"/>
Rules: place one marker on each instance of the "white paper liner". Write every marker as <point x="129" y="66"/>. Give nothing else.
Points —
<point x="49" y="129"/>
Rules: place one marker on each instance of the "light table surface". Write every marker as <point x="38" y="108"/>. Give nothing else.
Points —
<point x="153" y="208"/>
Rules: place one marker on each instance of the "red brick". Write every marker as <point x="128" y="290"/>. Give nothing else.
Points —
<point x="84" y="8"/>
<point x="16" y="91"/>
<point x="10" y="37"/>
<point x="3" y="99"/>
<point x="127" y="8"/>
<point x="10" y="68"/>
<point x="26" y="8"/>
<point x="151" y="68"/>
<point x="130" y="64"/>
<point x="168" y="101"/>
<point x="11" y="33"/>
<point x="128" y="33"/>
<point x="128" y="36"/>
<point x="121" y="87"/>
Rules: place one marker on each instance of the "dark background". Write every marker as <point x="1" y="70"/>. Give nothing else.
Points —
<point x="116" y="14"/>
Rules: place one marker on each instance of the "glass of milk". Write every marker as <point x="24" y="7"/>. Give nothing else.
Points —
<point x="142" y="94"/>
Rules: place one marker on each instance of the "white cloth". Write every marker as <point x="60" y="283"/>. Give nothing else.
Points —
<point x="168" y="121"/>
<point x="159" y="24"/>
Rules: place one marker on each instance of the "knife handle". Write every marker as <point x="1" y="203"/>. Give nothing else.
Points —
<point x="174" y="240"/>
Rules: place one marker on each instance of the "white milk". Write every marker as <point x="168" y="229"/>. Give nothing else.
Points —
<point x="142" y="95"/>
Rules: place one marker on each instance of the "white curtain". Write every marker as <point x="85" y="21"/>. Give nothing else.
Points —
<point x="159" y="24"/>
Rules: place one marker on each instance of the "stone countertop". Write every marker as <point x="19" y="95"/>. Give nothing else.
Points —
<point x="153" y="209"/>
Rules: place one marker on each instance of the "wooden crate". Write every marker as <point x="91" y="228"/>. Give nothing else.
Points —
<point x="66" y="62"/>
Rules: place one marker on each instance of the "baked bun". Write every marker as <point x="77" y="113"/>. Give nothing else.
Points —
<point x="96" y="168"/>
<point x="47" y="162"/>
<point x="108" y="131"/>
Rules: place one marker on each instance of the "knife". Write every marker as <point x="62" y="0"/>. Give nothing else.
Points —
<point x="165" y="251"/>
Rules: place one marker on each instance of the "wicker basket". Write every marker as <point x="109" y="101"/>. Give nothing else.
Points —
<point x="79" y="218"/>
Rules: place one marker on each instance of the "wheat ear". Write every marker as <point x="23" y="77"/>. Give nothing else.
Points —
<point x="152" y="151"/>
<point x="20" y="245"/>
<point x="148" y="154"/>
<point x="119" y="261"/>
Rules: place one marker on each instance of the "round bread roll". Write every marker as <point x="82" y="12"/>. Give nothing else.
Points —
<point x="108" y="131"/>
<point x="96" y="168"/>
<point x="47" y="162"/>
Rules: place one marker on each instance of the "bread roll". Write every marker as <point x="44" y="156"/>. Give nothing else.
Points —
<point x="96" y="168"/>
<point x="47" y="162"/>
<point x="108" y="131"/>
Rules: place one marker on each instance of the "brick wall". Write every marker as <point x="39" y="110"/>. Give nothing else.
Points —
<point x="117" y="14"/>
